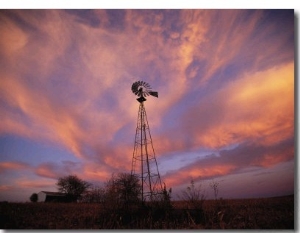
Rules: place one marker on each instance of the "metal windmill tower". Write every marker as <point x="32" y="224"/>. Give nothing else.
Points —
<point x="144" y="163"/>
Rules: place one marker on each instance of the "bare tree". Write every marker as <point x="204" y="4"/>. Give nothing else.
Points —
<point x="72" y="186"/>
<point x="93" y="195"/>
<point x="122" y="190"/>
<point x="215" y="186"/>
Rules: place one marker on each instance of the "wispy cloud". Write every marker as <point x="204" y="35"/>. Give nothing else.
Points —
<point x="233" y="161"/>
<point x="224" y="78"/>
<point x="39" y="184"/>
<point x="4" y="166"/>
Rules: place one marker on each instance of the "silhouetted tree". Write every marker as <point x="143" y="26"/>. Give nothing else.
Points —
<point x="72" y="186"/>
<point x="34" y="197"/>
<point x="122" y="190"/>
<point x="93" y="195"/>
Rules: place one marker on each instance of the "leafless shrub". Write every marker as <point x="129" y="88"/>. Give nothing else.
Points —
<point x="93" y="195"/>
<point x="215" y="186"/>
<point x="121" y="191"/>
<point x="193" y="196"/>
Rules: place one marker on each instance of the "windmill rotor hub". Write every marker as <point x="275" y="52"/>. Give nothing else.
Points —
<point x="142" y="90"/>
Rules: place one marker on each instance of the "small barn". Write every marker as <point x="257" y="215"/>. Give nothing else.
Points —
<point x="45" y="196"/>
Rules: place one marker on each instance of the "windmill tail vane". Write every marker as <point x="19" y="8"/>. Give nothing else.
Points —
<point x="153" y="93"/>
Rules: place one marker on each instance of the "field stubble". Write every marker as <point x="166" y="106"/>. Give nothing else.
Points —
<point x="264" y="213"/>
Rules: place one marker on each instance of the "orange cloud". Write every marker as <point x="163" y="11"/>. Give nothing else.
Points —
<point x="76" y="90"/>
<point x="232" y="161"/>
<point x="96" y="172"/>
<point x="46" y="171"/>
<point x="272" y="158"/>
<point x="25" y="183"/>
<point x="233" y="32"/>
<point x="12" y="166"/>
<point x="40" y="113"/>
<point x="259" y="106"/>
<point x="189" y="173"/>
<point x="5" y="188"/>
<point x="13" y="38"/>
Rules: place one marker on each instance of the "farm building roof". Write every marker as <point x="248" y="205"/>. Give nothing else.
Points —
<point x="53" y="193"/>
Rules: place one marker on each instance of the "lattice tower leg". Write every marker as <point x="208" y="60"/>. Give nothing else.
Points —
<point x="144" y="163"/>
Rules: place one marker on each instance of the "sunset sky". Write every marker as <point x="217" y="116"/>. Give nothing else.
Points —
<point x="225" y="110"/>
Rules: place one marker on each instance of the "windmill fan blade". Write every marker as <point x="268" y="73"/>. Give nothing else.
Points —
<point x="153" y="93"/>
<point x="134" y="88"/>
<point x="142" y="90"/>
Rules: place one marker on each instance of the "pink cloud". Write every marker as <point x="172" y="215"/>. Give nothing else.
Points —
<point x="68" y="81"/>
<point x="47" y="170"/>
<point x="233" y="161"/>
<point x="4" y="166"/>
<point x="95" y="172"/>
<point x="25" y="183"/>
<point x="185" y="175"/>
<point x="5" y="188"/>
<point x="257" y="107"/>
<point x="56" y="170"/>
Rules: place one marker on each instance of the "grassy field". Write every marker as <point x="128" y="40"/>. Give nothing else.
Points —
<point x="266" y="213"/>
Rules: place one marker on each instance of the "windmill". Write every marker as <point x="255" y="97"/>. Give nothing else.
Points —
<point x="144" y="163"/>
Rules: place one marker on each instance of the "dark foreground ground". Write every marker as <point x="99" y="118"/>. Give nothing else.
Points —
<point x="267" y="213"/>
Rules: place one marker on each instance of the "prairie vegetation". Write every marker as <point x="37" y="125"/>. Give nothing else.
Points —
<point x="263" y="213"/>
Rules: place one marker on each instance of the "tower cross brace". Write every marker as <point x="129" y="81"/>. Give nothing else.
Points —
<point x="144" y="163"/>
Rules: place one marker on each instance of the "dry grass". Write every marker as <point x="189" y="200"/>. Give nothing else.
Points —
<point x="269" y="213"/>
